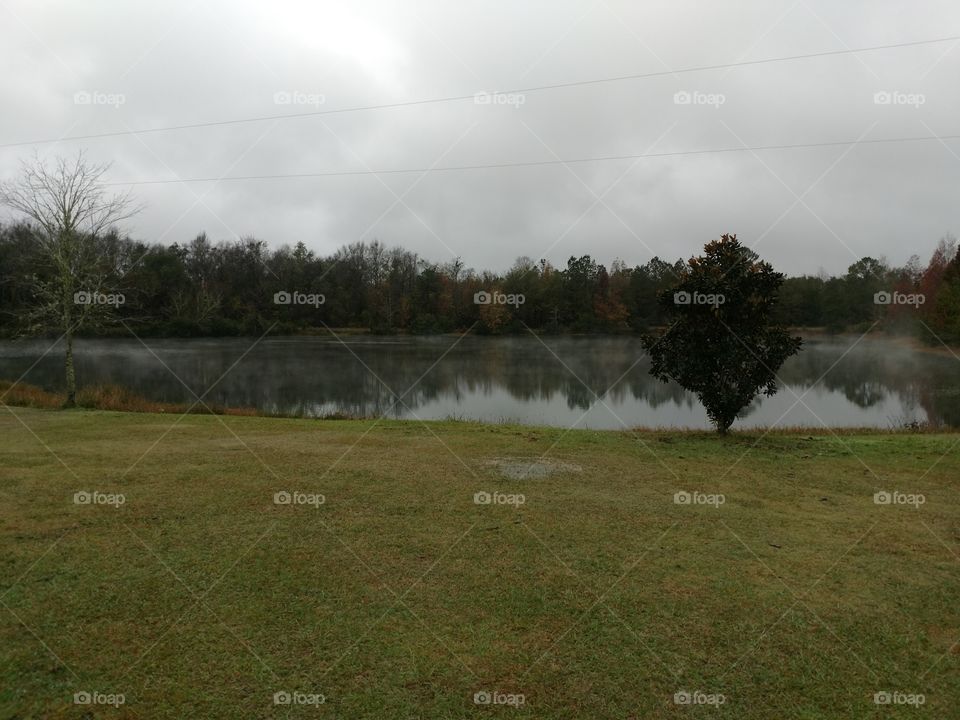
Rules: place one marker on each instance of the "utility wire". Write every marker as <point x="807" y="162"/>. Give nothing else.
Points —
<point x="460" y="98"/>
<point x="536" y="163"/>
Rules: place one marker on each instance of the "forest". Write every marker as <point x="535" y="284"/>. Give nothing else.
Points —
<point x="243" y="287"/>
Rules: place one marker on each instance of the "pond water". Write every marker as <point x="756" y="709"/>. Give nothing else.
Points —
<point x="586" y="382"/>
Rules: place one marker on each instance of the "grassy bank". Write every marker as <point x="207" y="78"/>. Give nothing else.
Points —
<point x="104" y="397"/>
<point x="400" y="596"/>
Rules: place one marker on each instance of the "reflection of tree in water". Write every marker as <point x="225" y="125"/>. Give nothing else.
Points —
<point x="946" y="404"/>
<point x="866" y="394"/>
<point x="874" y="369"/>
<point x="658" y="393"/>
<point x="316" y="376"/>
<point x="856" y="374"/>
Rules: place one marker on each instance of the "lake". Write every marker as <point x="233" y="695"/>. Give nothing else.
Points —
<point x="587" y="382"/>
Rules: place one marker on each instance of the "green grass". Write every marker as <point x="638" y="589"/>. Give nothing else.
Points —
<point x="400" y="597"/>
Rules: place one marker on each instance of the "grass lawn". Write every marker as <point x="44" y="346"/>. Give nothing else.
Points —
<point x="401" y="597"/>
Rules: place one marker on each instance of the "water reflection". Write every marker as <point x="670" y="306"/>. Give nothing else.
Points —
<point x="554" y="382"/>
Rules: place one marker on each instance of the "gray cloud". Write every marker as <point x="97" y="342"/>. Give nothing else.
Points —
<point x="189" y="62"/>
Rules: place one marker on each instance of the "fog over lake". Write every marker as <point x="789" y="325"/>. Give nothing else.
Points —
<point x="587" y="382"/>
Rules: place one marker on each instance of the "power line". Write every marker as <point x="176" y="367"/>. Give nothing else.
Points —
<point x="535" y="163"/>
<point x="460" y="98"/>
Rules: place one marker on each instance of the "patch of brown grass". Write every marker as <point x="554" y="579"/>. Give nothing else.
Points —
<point x="29" y="396"/>
<point x="107" y="397"/>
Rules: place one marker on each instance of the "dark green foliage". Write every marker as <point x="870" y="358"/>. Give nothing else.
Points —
<point x="721" y="343"/>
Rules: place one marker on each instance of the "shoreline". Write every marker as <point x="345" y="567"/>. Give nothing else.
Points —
<point x="113" y="399"/>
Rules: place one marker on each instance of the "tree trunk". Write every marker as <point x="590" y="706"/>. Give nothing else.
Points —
<point x="71" y="375"/>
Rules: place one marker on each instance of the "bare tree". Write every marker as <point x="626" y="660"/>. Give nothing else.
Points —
<point x="72" y="215"/>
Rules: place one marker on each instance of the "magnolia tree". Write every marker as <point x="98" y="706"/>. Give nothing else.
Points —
<point x="73" y="219"/>
<point x="721" y="343"/>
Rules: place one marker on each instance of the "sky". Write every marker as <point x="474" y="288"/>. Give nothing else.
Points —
<point x="105" y="66"/>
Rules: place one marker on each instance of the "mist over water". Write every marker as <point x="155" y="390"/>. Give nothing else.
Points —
<point x="586" y="382"/>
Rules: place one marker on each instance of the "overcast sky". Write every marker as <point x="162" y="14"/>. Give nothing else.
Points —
<point x="76" y="68"/>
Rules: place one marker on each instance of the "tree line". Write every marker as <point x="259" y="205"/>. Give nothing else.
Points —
<point x="242" y="287"/>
